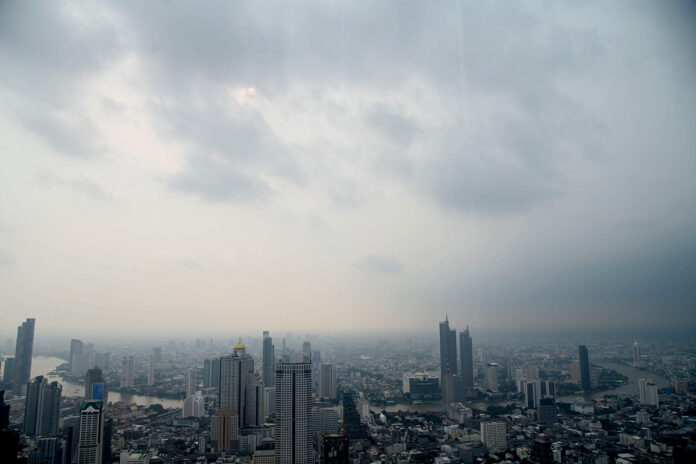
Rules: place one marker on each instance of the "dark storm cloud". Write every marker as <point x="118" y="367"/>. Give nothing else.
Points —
<point x="379" y="264"/>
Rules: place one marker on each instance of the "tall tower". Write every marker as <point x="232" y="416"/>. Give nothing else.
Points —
<point x="76" y="348"/>
<point x="94" y="377"/>
<point x="23" y="353"/>
<point x="191" y="383"/>
<point x="327" y="381"/>
<point x="306" y="352"/>
<point x="127" y="372"/>
<point x="42" y="407"/>
<point x="448" y="359"/>
<point x="635" y="350"/>
<point x="268" y="360"/>
<point x="151" y="370"/>
<point x="91" y="438"/>
<point x="584" y="359"/>
<point x="235" y="375"/>
<point x="293" y="388"/>
<point x="467" y="359"/>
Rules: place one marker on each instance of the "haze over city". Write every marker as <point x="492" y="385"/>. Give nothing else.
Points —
<point x="347" y="166"/>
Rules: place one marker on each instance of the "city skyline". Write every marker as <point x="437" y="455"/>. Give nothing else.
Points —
<point x="345" y="166"/>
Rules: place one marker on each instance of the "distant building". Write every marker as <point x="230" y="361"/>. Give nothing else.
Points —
<point x="546" y="411"/>
<point x="421" y="386"/>
<point x="151" y="371"/>
<point x="306" y="352"/>
<point x="157" y="354"/>
<point x="584" y="358"/>
<point x="48" y="451"/>
<point x="647" y="391"/>
<point x="575" y="372"/>
<point x="327" y="381"/>
<point x="467" y="360"/>
<point x="492" y="377"/>
<point x="135" y="457"/>
<point x="95" y="387"/>
<point x="494" y="435"/>
<point x="211" y="373"/>
<point x="635" y="351"/>
<point x="681" y="387"/>
<point x="293" y="442"/>
<point x="448" y="351"/>
<point x="76" y="349"/>
<point x="127" y="372"/>
<point x="91" y="438"/>
<point x="42" y="407"/>
<point x="532" y="393"/>
<point x="190" y="381"/>
<point x="23" y="354"/>
<point x="194" y="405"/>
<point x="268" y="360"/>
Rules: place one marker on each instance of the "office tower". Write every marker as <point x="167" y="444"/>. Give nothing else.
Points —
<point x="42" y="407"/>
<point x="448" y="356"/>
<point x="9" y="371"/>
<point x="151" y="370"/>
<point x="293" y="384"/>
<point x="253" y="401"/>
<point x="327" y="381"/>
<point x="268" y="360"/>
<point x="306" y="352"/>
<point x="467" y="360"/>
<point x="235" y="373"/>
<point x="647" y="390"/>
<point x="494" y="436"/>
<point x="48" y="451"/>
<point x="334" y="449"/>
<point x="546" y="411"/>
<point x="635" y="349"/>
<point x="190" y="382"/>
<point x="4" y="411"/>
<point x="548" y="388"/>
<point x="95" y="387"/>
<point x="492" y="377"/>
<point x="316" y="358"/>
<point x="584" y="358"/>
<point x="194" y="405"/>
<point x="106" y="439"/>
<point x="532" y="393"/>
<point x="211" y="373"/>
<point x="91" y="437"/>
<point x="268" y="401"/>
<point x="157" y="354"/>
<point x="76" y="349"/>
<point x="23" y="353"/>
<point x="575" y="376"/>
<point x="127" y="372"/>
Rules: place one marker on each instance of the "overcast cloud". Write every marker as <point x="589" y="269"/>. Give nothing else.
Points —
<point x="348" y="164"/>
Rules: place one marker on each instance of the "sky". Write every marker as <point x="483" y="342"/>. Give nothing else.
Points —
<point x="199" y="167"/>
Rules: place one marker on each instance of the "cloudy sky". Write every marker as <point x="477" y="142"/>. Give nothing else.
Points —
<point x="334" y="165"/>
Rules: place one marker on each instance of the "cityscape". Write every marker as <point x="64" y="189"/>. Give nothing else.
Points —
<point x="443" y="398"/>
<point x="347" y="232"/>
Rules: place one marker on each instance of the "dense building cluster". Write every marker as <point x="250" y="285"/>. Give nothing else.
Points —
<point x="355" y="400"/>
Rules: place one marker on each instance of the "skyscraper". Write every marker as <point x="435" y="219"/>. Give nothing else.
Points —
<point x="494" y="435"/>
<point x="23" y="353"/>
<point x="647" y="391"/>
<point x="584" y="359"/>
<point x="635" y="350"/>
<point x="492" y="377"/>
<point x="327" y="381"/>
<point x="190" y="381"/>
<point x="467" y="359"/>
<point x="254" y="401"/>
<point x="236" y="372"/>
<point x="293" y="386"/>
<point x="76" y="348"/>
<point x="306" y="352"/>
<point x="268" y="360"/>
<point x="48" y="451"/>
<point x="157" y="354"/>
<point x="127" y="372"/>
<point x="448" y="356"/>
<point x="211" y="373"/>
<point x="95" y="377"/>
<point x="42" y="407"/>
<point x="151" y="370"/>
<point x="91" y="438"/>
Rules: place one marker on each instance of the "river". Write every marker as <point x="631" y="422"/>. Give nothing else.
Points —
<point x="43" y="365"/>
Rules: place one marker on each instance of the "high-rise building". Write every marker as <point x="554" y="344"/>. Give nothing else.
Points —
<point x="647" y="390"/>
<point x="254" y="401"/>
<point x="194" y="405"/>
<point x="327" y="381"/>
<point x="211" y="373"/>
<point x="95" y="387"/>
<point x="293" y="386"/>
<point x="492" y="377"/>
<point x="467" y="359"/>
<point x="23" y="354"/>
<point x="494" y="435"/>
<point x="268" y="360"/>
<point x="76" y="349"/>
<point x="546" y="411"/>
<point x="334" y="449"/>
<point x="584" y="358"/>
<point x="42" y="407"/>
<point x="532" y="393"/>
<point x="306" y="352"/>
<point x="190" y="382"/>
<point x="448" y="350"/>
<point x="157" y="354"/>
<point x="91" y="436"/>
<point x="235" y="372"/>
<point x="151" y="370"/>
<point x="48" y="451"/>
<point x="8" y="372"/>
<point x="127" y="372"/>
<point x="635" y="350"/>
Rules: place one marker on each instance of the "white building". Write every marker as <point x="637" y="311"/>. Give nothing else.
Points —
<point x="190" y="381"/>
<point x="647" y="389"/>
<point x="89" y="448"/>
<point x="194" y="405"/>
<point x="494" y="435"/>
